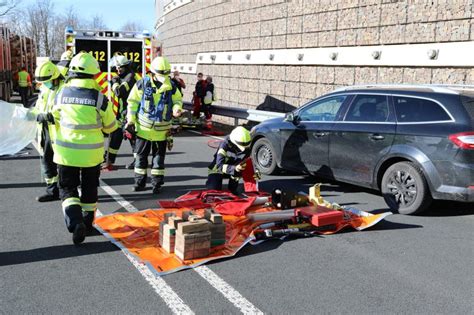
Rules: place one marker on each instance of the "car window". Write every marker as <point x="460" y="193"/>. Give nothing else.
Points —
<point x="372" y="108"/>
<point x="410" y="109"/>
<point x="323" y="110"/>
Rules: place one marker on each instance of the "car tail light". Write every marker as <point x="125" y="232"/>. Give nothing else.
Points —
<point x="464" y="140"/>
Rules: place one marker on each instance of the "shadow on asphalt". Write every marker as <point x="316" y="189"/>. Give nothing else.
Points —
<point x="444" y="208"/>
<point x="202" y="165"/>
<point x="19" y="157"/>
<point x="389" y="225"/>
<point x="54" y="253"/>
<point x="308" y="181"/>
<point x="130" y="181"/>
<point x="22" y="185"/>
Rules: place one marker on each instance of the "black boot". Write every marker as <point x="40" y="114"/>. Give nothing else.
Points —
<point x="138" y="188"/>
<point x="88" y="217"/>
<point x="47" y="197"/>
<point x="130" y="166"/>
<point x="156" y="189"/>
<point x="79" y="233"/>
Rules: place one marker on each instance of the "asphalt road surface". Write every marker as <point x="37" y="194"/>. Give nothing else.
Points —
<point x="405" y="264"/>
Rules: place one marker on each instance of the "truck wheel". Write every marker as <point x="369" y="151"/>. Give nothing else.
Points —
<point x="404" y="188"/>
<point x="263" y="155"/>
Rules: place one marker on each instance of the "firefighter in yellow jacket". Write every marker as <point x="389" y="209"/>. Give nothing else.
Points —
<point x="51" y="80"/>
<point x="81" y="115"/>
<point x="152" y="103"/>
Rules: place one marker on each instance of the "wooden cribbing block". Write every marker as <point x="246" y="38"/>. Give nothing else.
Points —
<point x="169" y="238"/>
<point x="194" y="245"/>
<point x="217" y="231"/>
<point x="193" y="218"/>
<point x="201" y="225"/>
<point x="216" y="218"/>
<point x="173" y="221"/>
<point x="162" y="224"/>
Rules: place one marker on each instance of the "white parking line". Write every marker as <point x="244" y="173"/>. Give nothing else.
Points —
<point x="232" y="295"/>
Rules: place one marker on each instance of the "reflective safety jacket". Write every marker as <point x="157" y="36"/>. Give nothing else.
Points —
<point x="121" y="86"/>
<point x="24" y="79"/>
<point x="81" y="114"/>
<point x="150" y="107"/>
<point x="227" y="157"/>
<point x="44" y="104"/>
<point x="210" y="95"/>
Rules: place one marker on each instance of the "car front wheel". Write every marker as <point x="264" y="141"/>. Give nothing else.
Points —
<point x="263" y="155"/>
<point x="404" y="188"/>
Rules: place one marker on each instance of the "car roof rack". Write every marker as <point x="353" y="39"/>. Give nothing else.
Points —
<point x="437" y="88"/>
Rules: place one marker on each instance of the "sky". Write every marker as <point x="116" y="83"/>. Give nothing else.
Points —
<point x="114" y="12"/>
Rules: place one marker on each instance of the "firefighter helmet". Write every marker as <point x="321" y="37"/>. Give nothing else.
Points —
<point x="241" y="138"/>
<point x="84" y="63"/>
<point x="160" y="65"/>
<point x="67" y="55"/>
<point x="120" y="61"/>
<point x="45" y="72"/>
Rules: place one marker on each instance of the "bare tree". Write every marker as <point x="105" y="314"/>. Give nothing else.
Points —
<point x="44" y="9"/>
<point x="71" y="18"/>
<point x="7" y="6"/>
<point x="132" y="26"/>
<point x="97" y="23"/>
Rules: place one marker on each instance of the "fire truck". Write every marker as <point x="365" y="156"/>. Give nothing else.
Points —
<point x="138" y="47"/>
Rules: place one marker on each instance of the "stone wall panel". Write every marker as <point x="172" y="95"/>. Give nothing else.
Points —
<point x="220" y="25"/>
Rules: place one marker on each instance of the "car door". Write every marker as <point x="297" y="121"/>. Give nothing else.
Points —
<point x="362" y="138"/>
<point x="305" y="141"/>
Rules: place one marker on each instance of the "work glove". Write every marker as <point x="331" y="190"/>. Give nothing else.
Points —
<point x="170" y="143"/>
<point x="130" y="127"/>
<point x="114" y="80"/>
<point x="177" y="112"/>
<point x="45" y="118"/>
<point x="257" y="175"/>
<point x="239" y="168"/>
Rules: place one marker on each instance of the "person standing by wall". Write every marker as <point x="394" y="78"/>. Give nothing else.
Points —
<point x="209" y="97"/>
<point x="198" y="95"/>
<point x="178" y="81"/>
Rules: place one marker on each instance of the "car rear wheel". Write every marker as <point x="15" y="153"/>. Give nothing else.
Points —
<point x="263" y="155"/>
<point x="404" y="188"/>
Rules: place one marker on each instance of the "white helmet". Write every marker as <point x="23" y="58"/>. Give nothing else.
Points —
<point x="119" y="61"/>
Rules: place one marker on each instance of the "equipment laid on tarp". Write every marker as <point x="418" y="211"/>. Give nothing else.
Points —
<point x="196" y="227"/>
<point x="17" y="127"/>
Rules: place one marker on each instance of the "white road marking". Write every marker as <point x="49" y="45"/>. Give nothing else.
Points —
<point x="210" y="136"/>
<point x="228" y="291"/>
<point x="232" y="295"/>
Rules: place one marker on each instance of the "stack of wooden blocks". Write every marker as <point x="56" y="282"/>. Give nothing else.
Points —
<point x="191" y="236"/>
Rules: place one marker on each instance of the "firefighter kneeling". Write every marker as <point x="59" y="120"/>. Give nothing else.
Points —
<point x="81" y="115"/>
<point x="229" y="160"/>
<point x="151" y="104"/>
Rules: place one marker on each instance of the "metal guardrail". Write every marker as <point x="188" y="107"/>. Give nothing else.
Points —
<point x="239" y="113"/>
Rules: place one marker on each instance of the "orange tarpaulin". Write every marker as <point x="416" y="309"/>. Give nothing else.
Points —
<point x="138" y="234"/>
